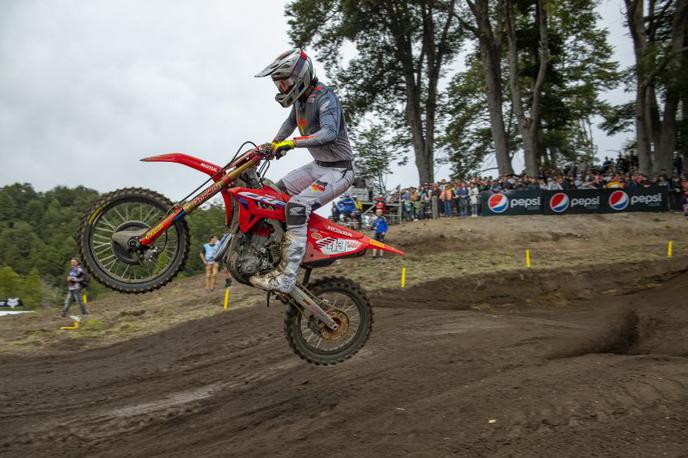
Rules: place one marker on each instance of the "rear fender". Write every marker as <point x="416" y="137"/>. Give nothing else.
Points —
<point x="328" y="240"/>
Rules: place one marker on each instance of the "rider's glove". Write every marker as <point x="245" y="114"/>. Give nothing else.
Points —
<point x="281" y="148"/>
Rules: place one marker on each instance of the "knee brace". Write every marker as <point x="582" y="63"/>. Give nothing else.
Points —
<point x="297" y="212"/>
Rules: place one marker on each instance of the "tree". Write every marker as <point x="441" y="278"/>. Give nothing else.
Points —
<point x="31" y="289"/>
<point x="659" y="45"/>
<point x="528" y="123"/>
<point x="10" y="282"/>
<point x="469" y="135"/>
<point x="489" y="35"/>
<point x="580" y="67"/>
<point x="207" y="221"/>
<point x="402" y="50"/>
<point x="374" y="156"/>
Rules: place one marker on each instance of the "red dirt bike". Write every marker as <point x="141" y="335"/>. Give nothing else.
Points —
<point x="135" y="241"/>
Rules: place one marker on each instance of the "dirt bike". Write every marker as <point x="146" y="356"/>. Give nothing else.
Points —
<point x="134" y="241"/>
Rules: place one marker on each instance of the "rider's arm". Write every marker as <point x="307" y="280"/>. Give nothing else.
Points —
<point x="330" y="119"/>
<point x="288" y="126"/>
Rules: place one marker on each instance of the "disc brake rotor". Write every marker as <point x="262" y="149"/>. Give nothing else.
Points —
<point x="121" y="253"/>
<point x="342" y="320"/>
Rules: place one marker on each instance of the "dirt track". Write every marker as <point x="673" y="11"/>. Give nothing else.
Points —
<point x="603" y="372"/>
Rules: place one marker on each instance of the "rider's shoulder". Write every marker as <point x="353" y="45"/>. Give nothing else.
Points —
<point x="322" y="92"/>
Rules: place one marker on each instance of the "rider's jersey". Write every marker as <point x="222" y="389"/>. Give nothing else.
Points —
<point x="321" y="124"/>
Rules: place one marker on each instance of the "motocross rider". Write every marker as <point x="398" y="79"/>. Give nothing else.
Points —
<point x="316" y="111"/>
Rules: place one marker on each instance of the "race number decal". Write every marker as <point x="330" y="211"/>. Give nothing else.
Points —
<point x="331" y="245"/>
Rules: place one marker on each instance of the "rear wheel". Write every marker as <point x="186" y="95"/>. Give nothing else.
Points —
<point x="348" y="305"/>
<point x="132" y="211"/>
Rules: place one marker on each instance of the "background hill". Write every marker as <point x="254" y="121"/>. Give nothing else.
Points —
<point x="38" y="237"/>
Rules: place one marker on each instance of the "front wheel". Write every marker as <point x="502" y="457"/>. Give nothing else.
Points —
<point x="348" y="305"/>
<point x="132" y="211"/>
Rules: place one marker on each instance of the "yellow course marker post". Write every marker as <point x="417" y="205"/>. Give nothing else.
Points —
<point x="528" y="259"/>
<point x="85" y="298"/>
<point x="670" y="247"/>
<point x="226" y="298"/>
<point x="403" y="277"/>
<point x="74" y="326"/>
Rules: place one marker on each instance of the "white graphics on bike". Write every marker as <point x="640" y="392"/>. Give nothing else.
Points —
<point x="265" y="199"/>
<point x="331" y="245"/>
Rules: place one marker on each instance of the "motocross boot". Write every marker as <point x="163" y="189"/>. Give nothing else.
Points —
<point x="283" y="278"/>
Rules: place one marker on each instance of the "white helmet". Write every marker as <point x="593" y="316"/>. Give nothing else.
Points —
<point x="292" y="72"/>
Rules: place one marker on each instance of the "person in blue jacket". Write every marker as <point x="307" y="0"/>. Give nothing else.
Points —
<point x="380" y="228"/>
<point x="346" y="206"/>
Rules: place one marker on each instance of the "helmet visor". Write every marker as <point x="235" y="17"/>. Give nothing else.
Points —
<point x="284" y="86"/>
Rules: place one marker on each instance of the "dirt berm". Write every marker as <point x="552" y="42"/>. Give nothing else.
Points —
<point x="564" y="362"/>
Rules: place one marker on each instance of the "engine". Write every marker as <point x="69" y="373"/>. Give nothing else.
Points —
<point x="255" y="253"/>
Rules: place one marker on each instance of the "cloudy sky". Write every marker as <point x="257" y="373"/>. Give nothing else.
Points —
<point x="87" y="87"/>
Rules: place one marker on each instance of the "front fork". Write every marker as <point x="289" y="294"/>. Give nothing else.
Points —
<point x="305" y="300"/>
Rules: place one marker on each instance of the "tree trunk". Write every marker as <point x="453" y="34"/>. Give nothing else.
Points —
<point x="636" y="26"/>
<point x="528" y="126"/>
<point x="684" y="143"/>
<point x="491" y="56"/>
<point x="423" y="158"/>
<point x="428" y="63"/>
<point x="664" y="151"/>
<point x="642" y="131"/>
<point x="664" y="154"/>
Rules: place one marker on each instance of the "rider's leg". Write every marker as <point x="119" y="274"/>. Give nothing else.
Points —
<point x="327" y="183"/>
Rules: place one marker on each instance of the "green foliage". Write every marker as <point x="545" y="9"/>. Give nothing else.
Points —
<point x="204" y="223"/>
<point x="618" y="118"/>
<point x="375" y="153"/>
<point x="29" y="289"/>
<point x="402" y="50"/>
<point x="467" y="139"/>
<point x="581" y="68"/>
<point x="38" y="238"/>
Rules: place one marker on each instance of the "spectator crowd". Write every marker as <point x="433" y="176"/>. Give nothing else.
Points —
<point x="449" y="198"/>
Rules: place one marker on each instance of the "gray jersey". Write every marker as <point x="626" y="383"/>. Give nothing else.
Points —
<point x="321" y="123"/>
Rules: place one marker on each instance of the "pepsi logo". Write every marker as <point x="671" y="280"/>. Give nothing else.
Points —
<point x="618" y="200"/>
<point x="498" y="203"/>
<point x="559" y="202"/>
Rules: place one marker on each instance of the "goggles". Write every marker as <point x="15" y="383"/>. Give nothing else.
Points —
<point x="285" y="85"/>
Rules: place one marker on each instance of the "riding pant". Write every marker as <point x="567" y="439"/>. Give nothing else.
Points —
<point x="312" y="186"/>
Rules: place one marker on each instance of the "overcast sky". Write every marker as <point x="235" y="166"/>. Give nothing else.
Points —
<point x="88" y="87"/>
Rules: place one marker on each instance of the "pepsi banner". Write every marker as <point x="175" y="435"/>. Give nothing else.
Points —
<point x="653" y="199"/>
<point x="512" y="203"/>
<point x="572" y="201"/>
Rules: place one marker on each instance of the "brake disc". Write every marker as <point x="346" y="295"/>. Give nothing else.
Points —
<point x="342" y="320"/>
